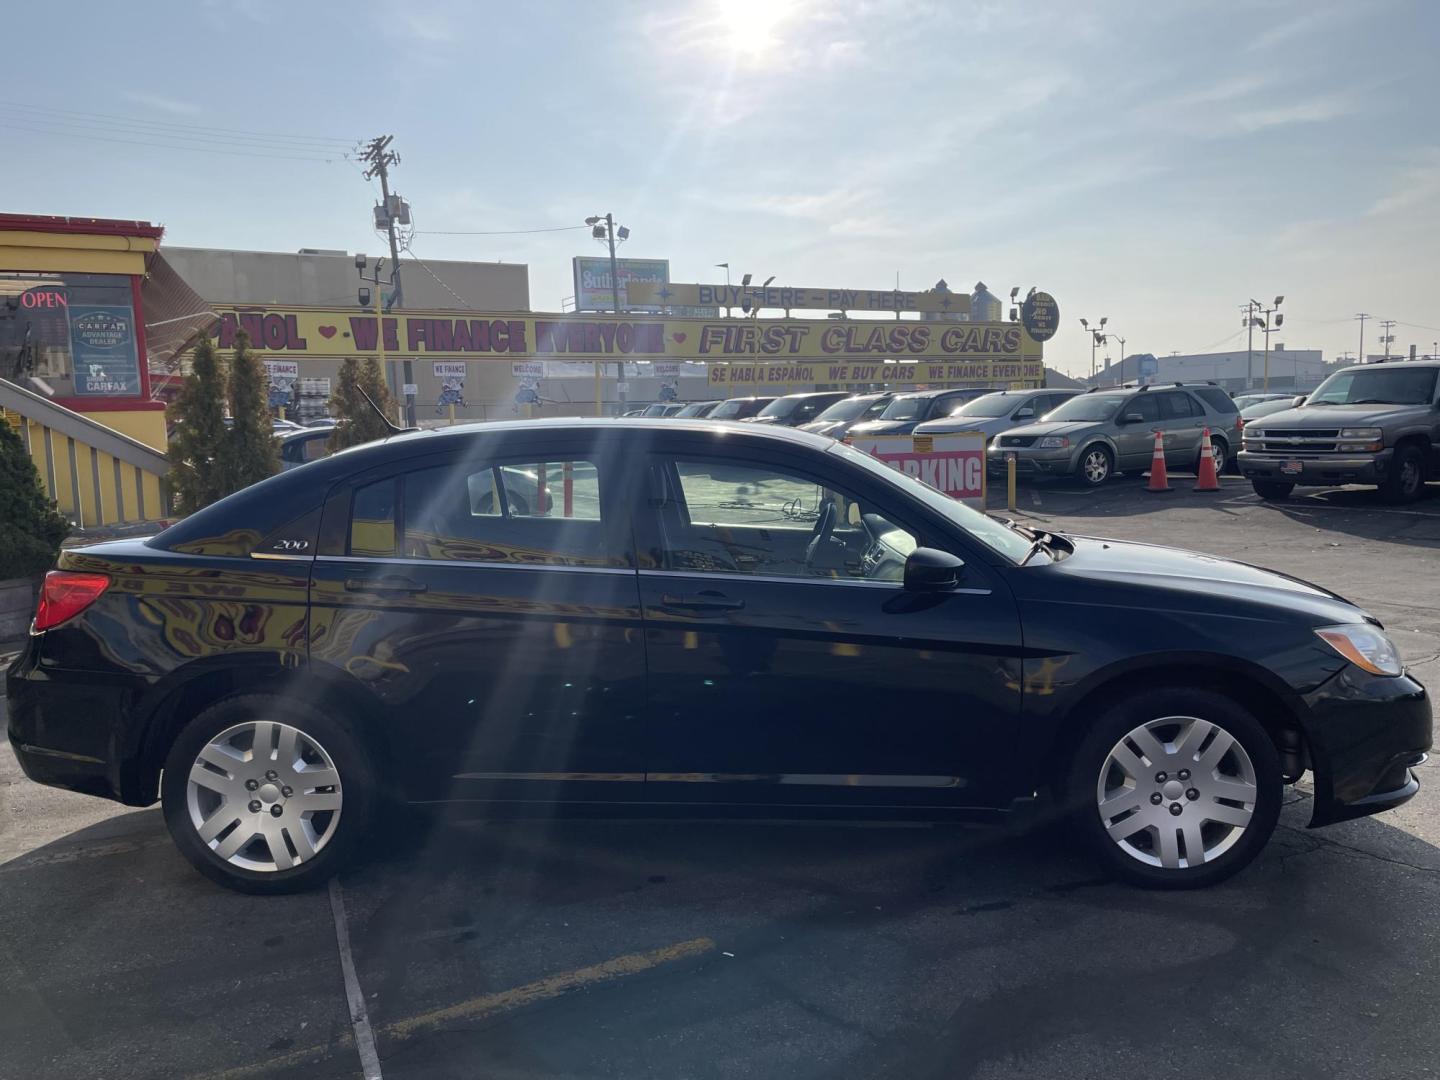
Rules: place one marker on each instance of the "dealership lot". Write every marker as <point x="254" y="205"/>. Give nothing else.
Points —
<point x="701" y="949"/>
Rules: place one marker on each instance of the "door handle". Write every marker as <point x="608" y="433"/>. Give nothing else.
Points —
<point x="700" y="602"/>
<point x="389" y="584"/>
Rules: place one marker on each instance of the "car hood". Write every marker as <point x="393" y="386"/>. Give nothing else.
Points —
<point x="1325" y="416"/>
<point x="990" y="425"/>
<point x="822" y="427"/>
<point x="1150" y="566"/>
<point x="1056" y="427"/>
<point x="883" y="427"/>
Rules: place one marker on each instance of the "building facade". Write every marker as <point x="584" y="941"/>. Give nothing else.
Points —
<point x="1236" y="371"/>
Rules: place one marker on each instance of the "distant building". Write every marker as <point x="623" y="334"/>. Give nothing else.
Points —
<point x="1289" y="369"/>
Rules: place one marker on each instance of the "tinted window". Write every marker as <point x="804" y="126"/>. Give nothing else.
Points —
<point x="1174" y="406"/>
<point x="372" y="520"/>
<point x="1217" y="399"/>
<point x="989" y="405"/>
<point x="509" y="513"/>
<point x="850" y="408"/>
<point x="743" y="518"/>
<point x="782" y="407"/>
<point x="908" y="407"/>
<point x="1147" y="405"/>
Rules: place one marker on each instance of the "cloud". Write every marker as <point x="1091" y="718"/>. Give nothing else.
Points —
<point x="1416" y="185"/>
<point x="1309" y="23"/>
<point x="164" y="104"/>
<point x="1315" y="111"/>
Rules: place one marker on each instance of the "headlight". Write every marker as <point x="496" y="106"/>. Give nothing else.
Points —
<point x="1364" y="646"/>
<point x="1361" y="433"/>
<point x="1053" y="442"/>
<point x="1370" y="439"/>
<point x="1250" y="430"/>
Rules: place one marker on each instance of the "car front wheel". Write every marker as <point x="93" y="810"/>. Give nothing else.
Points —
<point x="1095" y="465"/>
<point x="1406" y="480"/>
<point x="1272" y="490"/>
<point x="265" y="795"/>
<point x="1175" y="788"/>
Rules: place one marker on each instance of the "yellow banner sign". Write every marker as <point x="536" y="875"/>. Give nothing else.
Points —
<point x="513" y="336"/>
<point x="863" y="374"/>
<point x="735" y="297"/>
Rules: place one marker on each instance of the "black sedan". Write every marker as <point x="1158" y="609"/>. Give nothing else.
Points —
<point x="690" y="616"/>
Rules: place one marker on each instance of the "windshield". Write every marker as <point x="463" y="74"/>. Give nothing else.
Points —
<point x="1085" y="407"/>
<point x="989" y="405"/>
<point x="728" y="410"/>
<point x="695" y="408"/>
<point x="995" y="535"/>
<point x="908" y="407"/>
<point x="1389" y="385"/>
<point x="783" y="406"/>
<point x="847" y="408"/>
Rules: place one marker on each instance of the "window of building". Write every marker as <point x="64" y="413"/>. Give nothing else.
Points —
<point x="75" y="331"/>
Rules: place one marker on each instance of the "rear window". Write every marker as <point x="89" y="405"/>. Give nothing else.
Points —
<point x="1216" y="398"/>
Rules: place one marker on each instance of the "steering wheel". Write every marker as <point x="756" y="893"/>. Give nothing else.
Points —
<point x="820" y="536"/>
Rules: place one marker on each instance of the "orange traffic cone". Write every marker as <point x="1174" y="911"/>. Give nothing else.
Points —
<point x="1207" y="480"/>
<point x="1159" y="481"/>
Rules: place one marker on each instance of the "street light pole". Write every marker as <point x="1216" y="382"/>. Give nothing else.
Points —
<point x="609" y="237"/>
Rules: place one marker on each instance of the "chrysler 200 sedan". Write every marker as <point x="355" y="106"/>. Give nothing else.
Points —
<point x="687" y="616"/>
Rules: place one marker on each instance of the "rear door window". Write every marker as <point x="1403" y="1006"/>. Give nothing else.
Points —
<point x="372" y="520"/>
<point x="1144" y="404"/>
<point x="1177" y="406"/>
<point x="1217" y="399"/>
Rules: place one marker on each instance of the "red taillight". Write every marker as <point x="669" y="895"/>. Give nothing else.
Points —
<point x="65" y="594"/>
<point x="1239" y="422"/>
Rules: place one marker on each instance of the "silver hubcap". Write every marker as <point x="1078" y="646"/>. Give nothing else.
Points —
<point x="1176" y="792"/>
<point x="1097" y="466"/>
<point x="264" y="796"/>
<point x="1217" y="452"/>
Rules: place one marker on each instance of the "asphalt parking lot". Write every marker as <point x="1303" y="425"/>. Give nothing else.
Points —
<point x="570" y="949"/>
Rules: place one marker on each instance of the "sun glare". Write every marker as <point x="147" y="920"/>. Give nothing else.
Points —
<point x="751" y="26"/>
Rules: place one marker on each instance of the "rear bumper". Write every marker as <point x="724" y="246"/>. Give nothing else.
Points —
<point x="67" y="733"/>
<point x="1318" y="471"/>
<point x="1365" y="734"/>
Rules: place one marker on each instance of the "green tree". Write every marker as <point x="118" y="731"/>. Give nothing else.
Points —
<point x="197" y="445"/>
<point x="356" y="421"/>
<point x="250" y="452"/>
<point x="33" y="528"/>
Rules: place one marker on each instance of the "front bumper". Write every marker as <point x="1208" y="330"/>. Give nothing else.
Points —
<point x="1365" y="733"/>
<point x="1319" y="471"/>
<point x="1030" y="461"/>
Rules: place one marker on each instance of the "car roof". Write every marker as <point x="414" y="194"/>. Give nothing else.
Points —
<point x="1396" y="363"/>
<point x="441" y="438"/>
<point x="820" y="393"/>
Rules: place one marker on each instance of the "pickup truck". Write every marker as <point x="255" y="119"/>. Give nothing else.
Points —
<point x="1370" y="424"/>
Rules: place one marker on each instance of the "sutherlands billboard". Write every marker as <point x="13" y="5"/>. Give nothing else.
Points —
<point x="593" y="291"/>
<point x="508" y="336"/>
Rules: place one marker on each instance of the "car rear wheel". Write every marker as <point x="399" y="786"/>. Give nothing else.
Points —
<point x="1272" y="490"/>
<point x="1095" y="465"/>
<point x="1221" y="449"/>
<point x="1406" y="479"/>
<point x="264" y="795"/>
<point x="1175" y="788"/>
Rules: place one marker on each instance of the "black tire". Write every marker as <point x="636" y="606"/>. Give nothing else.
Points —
<point x="1405" y="482"/>
<point x="1084" y="778"/>
<point x="1096" y="476"/>
<point x="351" y="761"/>
<point x="1272" y="490"/>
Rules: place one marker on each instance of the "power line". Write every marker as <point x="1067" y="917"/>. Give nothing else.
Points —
<point x="92" y="137"/>
<point x="438" y="279"/>
<point x="181" y="126"/>
<point x="498" y="232"/>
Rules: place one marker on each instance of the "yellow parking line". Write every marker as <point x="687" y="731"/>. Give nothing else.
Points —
<point x="476" y="1008"/>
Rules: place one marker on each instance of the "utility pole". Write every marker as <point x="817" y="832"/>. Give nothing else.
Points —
<point x="1362" y="316"/>
<point x="380" y="157"/>
<point x="1388" y="338"/>
<point x="1272" y="321"/>
<point x="1249" y="308"/>
<point x="607" y="232"/>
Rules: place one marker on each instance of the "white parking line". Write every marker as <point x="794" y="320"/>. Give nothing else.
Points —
<point x="359" y="1017"/>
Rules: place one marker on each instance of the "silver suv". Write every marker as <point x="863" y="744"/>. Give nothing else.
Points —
<point x="1103" y="432"/>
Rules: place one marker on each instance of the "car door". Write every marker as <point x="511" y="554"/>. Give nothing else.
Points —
<point x="1135" y="439"/>
<point x="1182" y="420"/>
<point x="789" y="670"/>
<point x="486" y="603"/>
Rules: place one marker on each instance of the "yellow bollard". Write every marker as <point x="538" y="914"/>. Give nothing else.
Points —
<point x="1010" y="482"/>
<point x="452" y="413"/>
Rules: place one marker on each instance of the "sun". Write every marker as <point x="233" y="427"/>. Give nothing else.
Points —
<point x="751" y="27"/>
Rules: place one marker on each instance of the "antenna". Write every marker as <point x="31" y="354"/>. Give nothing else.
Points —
<point x="383" y="418"/>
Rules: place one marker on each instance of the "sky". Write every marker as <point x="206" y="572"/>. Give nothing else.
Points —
<point x="1158" y="164"/>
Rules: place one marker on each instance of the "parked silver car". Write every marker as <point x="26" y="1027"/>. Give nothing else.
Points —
<point x="847" y="412"/>
<point x="999" y="412"/>
<point x="1101" y="432"/>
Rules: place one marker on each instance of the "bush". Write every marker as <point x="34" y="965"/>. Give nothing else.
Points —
<point x="250" y="452"/>
<point x="33" y="527"/>
<point x="356" y="421"/>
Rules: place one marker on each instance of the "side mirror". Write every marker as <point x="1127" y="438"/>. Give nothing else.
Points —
<point x="928" y="570"/>
<point x="1132" y="418"/>
<point x="1299" y="400"/>
<point x="1024" y="414"/>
